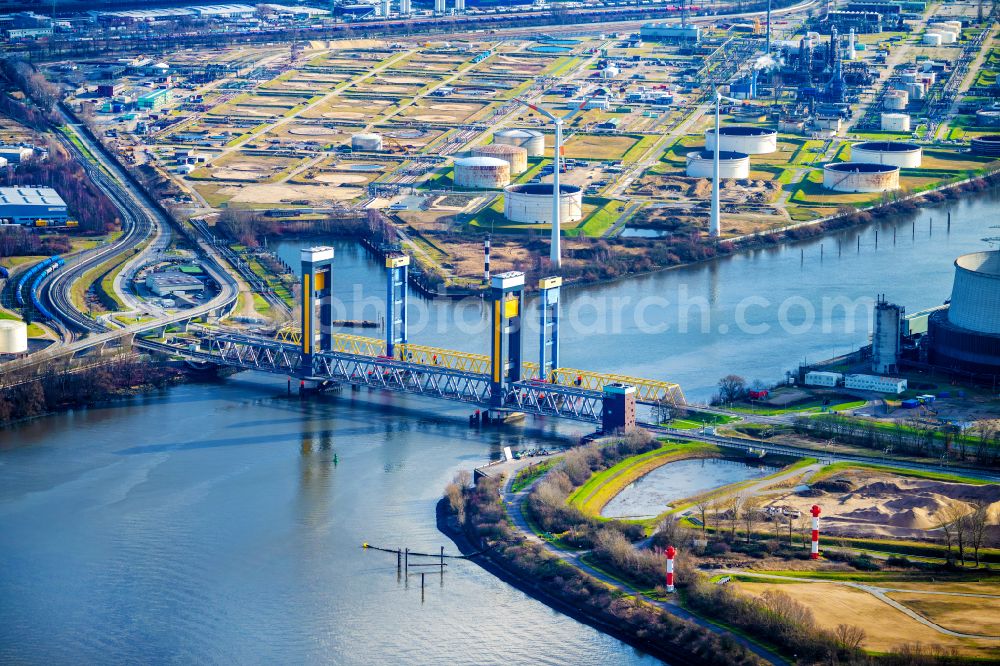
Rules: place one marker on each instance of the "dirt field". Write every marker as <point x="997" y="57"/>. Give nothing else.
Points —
<point x="885" y="626"/>
<point x="883" y="505"/>
<point x="598" y="147"/>
<point x="313" y="195"/>
<point x="964" y="614"/>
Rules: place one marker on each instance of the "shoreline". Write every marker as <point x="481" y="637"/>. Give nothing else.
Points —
<point x="484" y="559"/>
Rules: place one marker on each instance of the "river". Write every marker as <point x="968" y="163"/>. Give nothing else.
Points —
<point x="223" y="522"/>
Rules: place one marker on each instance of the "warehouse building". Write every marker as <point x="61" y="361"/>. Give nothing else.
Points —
<point x="28" y="205"/>
<point x="170" y="283"/>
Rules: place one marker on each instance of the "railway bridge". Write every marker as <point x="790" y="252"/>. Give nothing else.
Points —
<point x="498" y="384"/>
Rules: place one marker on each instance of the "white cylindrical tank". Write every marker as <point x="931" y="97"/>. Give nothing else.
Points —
<point x="13" y="336"/>
<point x="915" y="90"/>
<point x="366" y="141"/>
<point x="895" y="122"/>
<point x="932" y="39"/>
<point x="948" y="37"/>
<point x="744" y="139"/>
<point x="700" y="164"/>
<point x="896" y="153"/>
<point x="482" y="173"/>
<point x="897" y="100"/>
<point x="909" y="76"/>
<point x="975" y="294"/>
<point x="610" y="72"/>
<point x="860" y="177"/>
<point x="516" y="156"/>
<point x="531" y="140"/>
<point x="532" y="204"/>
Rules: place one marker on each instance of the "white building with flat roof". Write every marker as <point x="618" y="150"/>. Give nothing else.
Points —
<point x="875" y="383"/>
<point x="819" y="378"/>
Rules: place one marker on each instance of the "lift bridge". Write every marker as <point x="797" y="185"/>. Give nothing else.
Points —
<point x="500" y="384"/>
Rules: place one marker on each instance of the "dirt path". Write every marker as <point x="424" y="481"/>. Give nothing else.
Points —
<point x="514" y="501"/>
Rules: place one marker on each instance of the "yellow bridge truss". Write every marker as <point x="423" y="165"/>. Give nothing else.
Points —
<point x="647" y="390"/>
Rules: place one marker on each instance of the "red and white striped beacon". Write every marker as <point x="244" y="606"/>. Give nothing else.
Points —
<point x="671" y="551"/>
<point x="815" y="511"/>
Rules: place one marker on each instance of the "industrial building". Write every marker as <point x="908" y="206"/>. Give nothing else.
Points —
<point x="860" y="177"/>
<point x="966" y="335"/>
<point x="16" y="154"/>
<point x="744" y="139"/>
<point x="887" y="338"/>
<point x="154" y="100"/>
<point x="532" y="204"/>
<point x="29" y="205"/>
<point x="701" y="164"/>
<point x="170" y="283"/>
<point x="875" y="383"/>
<point x="896" y="153"/>
<point x="482" y="172"/>
<point x="673" y="33"/>
<point x="820" y="378"/>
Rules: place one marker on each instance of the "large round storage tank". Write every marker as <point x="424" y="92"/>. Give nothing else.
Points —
<point x="915" y="90"/>
<point x="895" y="122"/>
<point x="744" y="139"/>
<point x="897" y="100"/>
<point x="967" y="334"/>
<point x="896" y="153"/>
<point x="532" y="204"/>
<point x="366" y="142"/>
<point x="987" y="146"/>
<point x="13" y="337"/>
<point x="482" y="172"/>
<point x="948" y="37"/>
<point x="975" y="295"/>
<point x="860" y="177"/>
<point x="988" y="117"/>
<point x="700" y="164"/>
<point x="932" y="39"/>
<point x="516" y="156"/>
<point x="531" y="140"/>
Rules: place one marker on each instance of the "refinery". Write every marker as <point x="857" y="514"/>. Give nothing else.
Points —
<point x="690" y="309"/>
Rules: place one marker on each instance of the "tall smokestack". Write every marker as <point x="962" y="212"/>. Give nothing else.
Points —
<point x="768" y="47"/>
<point x="486" y="261"/>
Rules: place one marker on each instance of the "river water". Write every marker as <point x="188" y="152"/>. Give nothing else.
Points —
<point x="223" y="522"/>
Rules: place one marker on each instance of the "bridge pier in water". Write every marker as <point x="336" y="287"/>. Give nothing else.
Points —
<point x="507" y="302"/>
<point x="317" y="299"/>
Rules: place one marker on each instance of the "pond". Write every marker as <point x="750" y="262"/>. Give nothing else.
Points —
<point x="550" y="49"/>
<point x="650" y="495"/>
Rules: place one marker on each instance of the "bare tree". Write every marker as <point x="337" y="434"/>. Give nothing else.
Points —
<point x="751" y="513"/>
<point x="732" y="387"/>
<point x="734" y="505"/>
<point x="703" y="506"/>
<point x="850" y="636"/>
<point x="979" y="520"/>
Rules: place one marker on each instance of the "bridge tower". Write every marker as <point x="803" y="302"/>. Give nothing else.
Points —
<point x="396" y="267"/>
<point x="317" y="302"/>
<point x="507" y="296"/>
<point x="548" y="346"/>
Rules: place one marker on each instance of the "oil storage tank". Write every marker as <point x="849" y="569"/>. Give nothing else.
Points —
<point x="860" y="177"/>
<point x="515" y="156"/>
<point x="895" y="122"/>
<point x="700" y="164"/>
<point x="532" y="203"/>
<point x="13" y="336"/>
<point x="988" y="117"/>
<point x="932" y="39"/>
<point x="482" y="173"/>
<point x="366" y="142"/>
<point x="966" y="335"/>
<point x="744" y="139"/>
<point x="531" y="140"/>
<point x="987" y="146"/>
<point x="897" y="153"/>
